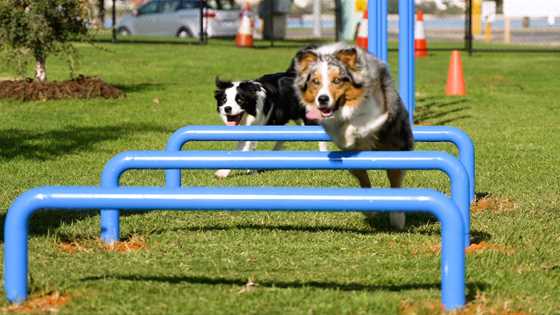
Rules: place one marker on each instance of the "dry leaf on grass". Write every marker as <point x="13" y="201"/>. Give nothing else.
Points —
<point x="249" y="286"/>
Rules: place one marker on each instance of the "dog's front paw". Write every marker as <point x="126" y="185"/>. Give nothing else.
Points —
<point x="222" y="173"/>
<point x="398" y="220"/>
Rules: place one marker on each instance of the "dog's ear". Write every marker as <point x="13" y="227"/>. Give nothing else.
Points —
<point x="292" y="67"/>
<point x="349" y="57"/>
<point x="304" y="58"/>
<point x="249" y="86"/>
<point x="222" y="85"/>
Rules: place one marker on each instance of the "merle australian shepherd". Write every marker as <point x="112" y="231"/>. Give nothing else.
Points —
<point x="360" y="109"/>
<point x="268" y="100"/>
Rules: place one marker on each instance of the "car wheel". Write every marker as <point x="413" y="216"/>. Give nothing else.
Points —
<point x="123" y="31"/>
<point x="184" y="33"/>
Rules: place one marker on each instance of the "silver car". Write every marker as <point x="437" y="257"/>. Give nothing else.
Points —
<point x="181" y="18"/>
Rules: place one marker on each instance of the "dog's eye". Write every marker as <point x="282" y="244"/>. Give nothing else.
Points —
<point x="337" y="81"/>
<point x="239" y="99"/>
<point x="316" y="82"/>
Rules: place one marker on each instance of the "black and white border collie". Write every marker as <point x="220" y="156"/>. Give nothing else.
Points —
<point x="268" y="100"/>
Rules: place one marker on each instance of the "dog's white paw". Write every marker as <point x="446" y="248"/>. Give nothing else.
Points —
<point x="398" y="220"/>
<point x="222" y="173"/>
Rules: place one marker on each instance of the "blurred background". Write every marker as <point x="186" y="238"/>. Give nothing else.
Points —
<point x="518" y="22"/>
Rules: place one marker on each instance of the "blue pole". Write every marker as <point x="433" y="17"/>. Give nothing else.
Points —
<point x="407" y="160"/>
<point x="186" y="134"/>
<point x="377" y="28"/>
<point x="236" y="199"/>
<point x="406" y="56"/>
<point x="383" y="35"/>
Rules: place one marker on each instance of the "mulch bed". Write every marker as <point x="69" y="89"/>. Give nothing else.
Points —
<point x="80" y="87"/>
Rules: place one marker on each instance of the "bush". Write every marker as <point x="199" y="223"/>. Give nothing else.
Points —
<point x="34" y="29"/>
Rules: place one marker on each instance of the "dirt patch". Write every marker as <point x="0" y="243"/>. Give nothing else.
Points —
<point x="485" y="246"/>
<point x="492" y="203"/>
<point x="480" y="306"/>
<point x="73" y="247"/>
<point x="50" y="303"/>
<point x="474" y="248"/>
<point x="80" y="87"/>
<point x="134" y="243"/>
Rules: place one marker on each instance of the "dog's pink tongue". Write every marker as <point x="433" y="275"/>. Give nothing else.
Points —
<point x="313" y="114"/>
<point x="232" y="123"/>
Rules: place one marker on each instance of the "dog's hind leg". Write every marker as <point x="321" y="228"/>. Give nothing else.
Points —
<point x="363" y="179"/>
<point x="278" y="146"/>
<point x="396" y="177"/>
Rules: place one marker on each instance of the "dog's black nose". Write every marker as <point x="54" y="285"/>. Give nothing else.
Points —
<point x="227" y="109"/>
<point x="323" y="99"/>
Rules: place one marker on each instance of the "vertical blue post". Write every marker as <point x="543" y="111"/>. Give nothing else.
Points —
<point x="377" y="28"/>
<point x="406" y="55"/>
<point x="382" y="35"/>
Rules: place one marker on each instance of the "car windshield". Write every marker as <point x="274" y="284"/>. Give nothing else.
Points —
<point x="222" y="4"/>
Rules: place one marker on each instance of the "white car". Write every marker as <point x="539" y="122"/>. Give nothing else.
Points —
<point x="181" y="18"/>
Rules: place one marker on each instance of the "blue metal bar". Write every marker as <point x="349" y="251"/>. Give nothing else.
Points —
<point x="310" y="133"/>
<point x="272" y="199"/>
<point x="372" y="27"/>
<point x="406" y="56"/>
<point x="383" y="34"/>
<point x="377" y="29"/>
<point x="409" y="160"/>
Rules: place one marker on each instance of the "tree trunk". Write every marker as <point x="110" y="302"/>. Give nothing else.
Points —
<point x="40" y="68"/>
<point x="100" y="14"/>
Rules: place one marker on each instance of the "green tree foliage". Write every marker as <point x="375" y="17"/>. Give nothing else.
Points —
<point x="34" y="29"/>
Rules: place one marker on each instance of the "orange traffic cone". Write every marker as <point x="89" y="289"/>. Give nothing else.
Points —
<point x="244" y="37"/>
<point x="362" y="34"/>
<point x="455" y="81"/>
<point x="420" y="42"/>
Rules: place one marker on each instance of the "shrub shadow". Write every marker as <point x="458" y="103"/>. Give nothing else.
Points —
<point x="139" y="87"/>
<point x="48" y="145"/>
<point x="44" y="222"/>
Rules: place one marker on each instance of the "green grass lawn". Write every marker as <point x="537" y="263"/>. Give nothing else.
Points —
<point x="299" y="263"/>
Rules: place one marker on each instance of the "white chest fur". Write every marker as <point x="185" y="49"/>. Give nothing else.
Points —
<point x="355" y="128"/>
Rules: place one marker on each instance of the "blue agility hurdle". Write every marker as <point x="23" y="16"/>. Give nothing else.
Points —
<point x="410" y="160"/>
<point x="186" y="134"/>
<point x="246" y="198"/>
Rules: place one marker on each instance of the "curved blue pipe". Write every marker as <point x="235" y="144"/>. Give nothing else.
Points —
<point x="409" y="160"/>
<point x="233" y="199"/>
<point x="310" y="133"/>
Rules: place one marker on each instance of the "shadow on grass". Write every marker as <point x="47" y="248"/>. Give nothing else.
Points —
<point x="44" y="222"/>
<point x="46" y="145"/>
<point x="416" y="224"/>
<point x="139" y="87"/>
<point x="435" y="111"/>
<point x="472" y="287"/>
